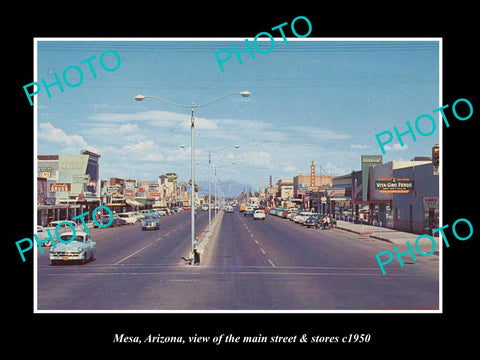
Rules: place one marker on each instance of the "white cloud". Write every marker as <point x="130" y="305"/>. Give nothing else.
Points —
<point x="157" y="118"/>
<point x="256" y="158"/>
<point x="396" y="147"/>
<point x="178" y="154"/>
<point x="318" y="133"/>
<point x="145" y="150"/>
<point x="200" y="123"/>
<point x="142" y="146"/>
<point x="50" y="133"/>
<point x="359" y="146"/>
<point x="128" y="128"/>
<point x="154" y="115"/>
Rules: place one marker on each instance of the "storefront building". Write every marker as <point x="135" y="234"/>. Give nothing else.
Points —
<point x="417" y="211"/>
<point x="70" y="186"/>
<point x="394" y="190"/>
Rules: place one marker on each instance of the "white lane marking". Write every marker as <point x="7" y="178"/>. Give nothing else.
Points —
<point x="263" y="251"/>
<point x="132" y="254"/>
<point x="146" y="246"/>
<point x="271" y="262"/>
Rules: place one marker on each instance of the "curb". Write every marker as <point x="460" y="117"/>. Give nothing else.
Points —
<point x="365" y="233"/>
<point x="204" y="242"/>
<point x="204" y="239"/>
<point x="393" y="240"/>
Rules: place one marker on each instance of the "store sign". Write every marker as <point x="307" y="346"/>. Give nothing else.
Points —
<point x="336" y="192"/>
<point x="367" y="162"/>
<point x="394" y="185"/>
<point x="154" y="194"/>
<point x="430" y="201"/>
<point x="113" y="189"/>
<point x="46" y="171"/>
<point x="55" y="187"/>
<point x="130" y="193"/>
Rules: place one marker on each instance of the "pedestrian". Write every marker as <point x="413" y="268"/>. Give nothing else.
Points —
<point x="196" y="254"/>
<point x="325" y="222"/>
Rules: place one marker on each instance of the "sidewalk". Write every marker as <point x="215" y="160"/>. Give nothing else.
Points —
<point x="381" y="233"/>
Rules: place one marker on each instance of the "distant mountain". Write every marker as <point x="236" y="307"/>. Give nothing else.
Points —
<point x="230" y="188"/>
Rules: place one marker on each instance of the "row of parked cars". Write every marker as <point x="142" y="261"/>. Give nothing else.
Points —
<point x="81" y="247"/>
<point x="305" y="218"/>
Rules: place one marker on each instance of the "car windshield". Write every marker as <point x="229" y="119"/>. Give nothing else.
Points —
<point x="68" y="237"/>
<point x="150" y="217"/>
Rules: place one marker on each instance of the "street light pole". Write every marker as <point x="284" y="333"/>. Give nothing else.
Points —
<point x="192" y="187"/>
<point x="192" y="132"/>
<point x="210" y="186"/>
<point x="209" y="192"/>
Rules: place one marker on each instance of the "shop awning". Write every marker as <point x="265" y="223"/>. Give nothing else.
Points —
<point x="115" y="204"/>
<point x="133" y="202"/>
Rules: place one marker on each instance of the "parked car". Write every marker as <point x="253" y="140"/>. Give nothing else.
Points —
<point x="291" y="214"/>
<point x="81" y="248"/>
<point x="312" y="221"/>
<point x="138" y="215"/>
<point x="105" y="219"/>
<point x="301" y="217"/>
<point x="129" y="217"/>
<point x="62" y="227"/>
<point x="259" y="214"/>
<point x="42" y="234"/>
<point x="147" y="212"/>
<point x="248" y="211"/>
<point x="150" y="222"/>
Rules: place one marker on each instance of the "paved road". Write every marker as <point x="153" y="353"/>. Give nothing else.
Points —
<point x="249" y="265"/>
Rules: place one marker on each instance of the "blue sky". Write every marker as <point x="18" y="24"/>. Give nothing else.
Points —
<point x="311" y="100"/>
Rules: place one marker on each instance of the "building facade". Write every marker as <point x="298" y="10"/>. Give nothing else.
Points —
<point x="70" y="185"/>
<point x="417" y="211"/>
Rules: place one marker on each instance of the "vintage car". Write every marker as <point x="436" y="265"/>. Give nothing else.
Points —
<point x="59" y="225"/>
<point x="248" y="211"/>
<point x="259" y="214"/>
<point x="150" y="222"/>
<point x="81" y="248"/>
<point x="129" y="217"/>
<point x="115" y="220"/>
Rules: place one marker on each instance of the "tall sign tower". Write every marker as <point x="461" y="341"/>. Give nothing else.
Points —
<point x="312" y="174"/>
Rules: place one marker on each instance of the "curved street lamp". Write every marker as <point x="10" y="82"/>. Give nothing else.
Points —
<point x="192" y="165"/>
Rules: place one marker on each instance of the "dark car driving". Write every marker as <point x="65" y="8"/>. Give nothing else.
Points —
<point x="105" y="219"/>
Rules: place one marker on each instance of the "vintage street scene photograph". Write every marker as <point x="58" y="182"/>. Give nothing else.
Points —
<point x="275" y="173"/>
